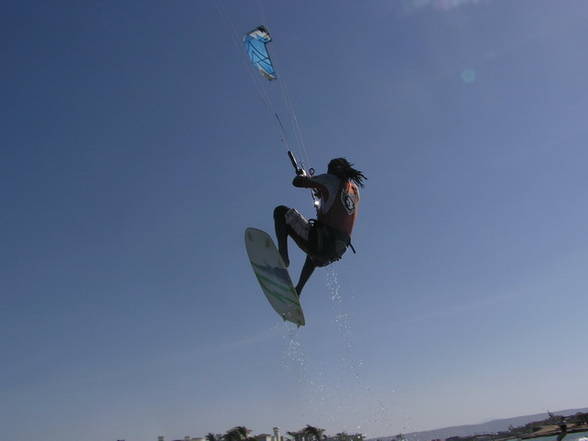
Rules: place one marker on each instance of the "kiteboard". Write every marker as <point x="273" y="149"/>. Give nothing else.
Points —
<point x="273" y="276"/>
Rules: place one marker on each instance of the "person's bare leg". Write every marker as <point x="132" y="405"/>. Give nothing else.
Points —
<point x="307" y="271"/>
<point x="282" y="232"/>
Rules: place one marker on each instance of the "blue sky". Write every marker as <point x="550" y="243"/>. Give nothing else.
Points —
<point x="135" y="151"/>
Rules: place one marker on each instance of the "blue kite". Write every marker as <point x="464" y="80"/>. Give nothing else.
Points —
<point x="256" y="44"/>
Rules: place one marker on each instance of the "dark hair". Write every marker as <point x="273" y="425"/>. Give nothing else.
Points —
<point x="343" y="169"/>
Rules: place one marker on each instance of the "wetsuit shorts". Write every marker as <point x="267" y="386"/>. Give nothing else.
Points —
<point x="323" y="243"/>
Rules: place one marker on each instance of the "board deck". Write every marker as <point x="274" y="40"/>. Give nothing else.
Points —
<point x="273" y="276"/>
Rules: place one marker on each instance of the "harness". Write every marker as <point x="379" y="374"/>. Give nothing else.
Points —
<point x="328" y="243"/>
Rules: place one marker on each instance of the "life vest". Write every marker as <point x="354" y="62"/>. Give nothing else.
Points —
<point x="343" y="211"/>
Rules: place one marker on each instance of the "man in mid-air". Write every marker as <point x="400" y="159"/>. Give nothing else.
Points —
<point x="325" y="239"/>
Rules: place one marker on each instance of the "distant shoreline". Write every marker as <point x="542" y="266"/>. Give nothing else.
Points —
<point x="555" y="430"/>
<point x="522" y="427"/>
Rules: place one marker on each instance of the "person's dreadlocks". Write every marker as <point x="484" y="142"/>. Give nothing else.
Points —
<point x="343" y="169"/>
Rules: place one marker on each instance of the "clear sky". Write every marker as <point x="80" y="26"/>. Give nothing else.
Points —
<point x="135" y="151"/>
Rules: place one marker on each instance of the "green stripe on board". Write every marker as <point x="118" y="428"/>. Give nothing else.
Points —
<point x="266" y="269"/>
<point x="279" y="296"/>
<point x="285" y="286"/>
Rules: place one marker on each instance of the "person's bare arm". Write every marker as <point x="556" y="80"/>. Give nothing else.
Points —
<point x="305" y="182"/>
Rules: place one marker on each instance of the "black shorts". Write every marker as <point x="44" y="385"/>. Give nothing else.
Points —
<point x="327" y="244"/>
<point x="321" y="242"/>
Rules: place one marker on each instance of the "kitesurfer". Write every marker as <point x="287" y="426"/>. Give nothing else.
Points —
<point x="325" y="239"/>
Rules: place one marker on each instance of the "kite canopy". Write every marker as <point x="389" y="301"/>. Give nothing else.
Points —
<point x="255" y="43"/>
